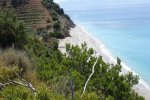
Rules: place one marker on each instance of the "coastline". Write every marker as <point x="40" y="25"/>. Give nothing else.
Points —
<point x="79" y="35"/>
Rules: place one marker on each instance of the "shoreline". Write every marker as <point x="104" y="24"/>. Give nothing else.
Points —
<point x="80" y="35"/>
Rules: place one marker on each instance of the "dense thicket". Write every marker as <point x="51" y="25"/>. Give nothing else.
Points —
<point x="57" y="76"/>
<point x="11" y="30"/>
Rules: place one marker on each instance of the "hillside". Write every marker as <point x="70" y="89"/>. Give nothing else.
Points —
<point x="39" y="16"/>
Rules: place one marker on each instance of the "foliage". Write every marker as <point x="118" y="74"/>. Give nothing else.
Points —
<point x="11" y="30"/>
<point x="13" y="57"/>
<point x="56" y="35"/>
<point x="60" y="22"/>
<point x="6" y="72"/>
<point x="67" y="16"/>
<point x="49" y="4"/>
<point x="52" y="69"/>
<point x="87" y="96"/>
<point x="56" y="25"/>
<point x="106" y="80"/>
<point x="106" y="83"/>
<point x="16" y="93"/>
<point x="46" y="94"/>
<point x="54" y="16"/>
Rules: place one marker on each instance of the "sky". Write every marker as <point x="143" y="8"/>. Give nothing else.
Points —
<point x="58" y="1"/>
<point x="88" y="4"/>
<point x="108" y="2"/>
<point x="111" y="1"/>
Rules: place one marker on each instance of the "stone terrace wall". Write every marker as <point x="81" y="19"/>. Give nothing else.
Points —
<point x="32" y="12"/>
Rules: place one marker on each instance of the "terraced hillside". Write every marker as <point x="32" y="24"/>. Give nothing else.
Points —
<point x="32" y="12"/>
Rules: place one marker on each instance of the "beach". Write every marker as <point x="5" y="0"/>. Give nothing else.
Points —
<point x="79" y="35"/>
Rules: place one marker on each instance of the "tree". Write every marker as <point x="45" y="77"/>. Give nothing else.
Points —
<point x="11" y="30"/>
<point x="105" y="80"/>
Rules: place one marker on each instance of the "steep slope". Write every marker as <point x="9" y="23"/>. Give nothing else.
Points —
<point x="32" y="12"/>
<point x="36" y="15"/>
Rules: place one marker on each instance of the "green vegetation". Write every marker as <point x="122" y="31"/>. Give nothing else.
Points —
<point x="37" y="70"/>
<point x="59" y="20"/>
<point x="56" y="26"/>
<point x="49" y="4"/>
<point x="11" y="30"/>
<point x="54" y="16"/>
<point x="56" y="35"/>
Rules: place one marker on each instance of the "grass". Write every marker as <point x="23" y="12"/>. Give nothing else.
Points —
<point x="12" y="57"/>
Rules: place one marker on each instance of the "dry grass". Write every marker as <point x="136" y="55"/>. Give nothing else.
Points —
<point x="20" y="63"/>
<point x="13" y="57"/>
<point x="6" y="72"/>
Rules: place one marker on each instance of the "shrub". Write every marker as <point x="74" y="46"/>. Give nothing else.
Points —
<point x="56" y="35"/>
<point x="16" y="93"/>
<point x="11" y="30"/>
<point x="13" y="57"/>
<point x="47" y="94"/>
<point x="67" y="17"/>
<point x="6" y="72"/>
<point x="54" y="16"/>
<point x="45" y="3"/>
<point x="56" y="25"/>
<point x="61" y="11"/>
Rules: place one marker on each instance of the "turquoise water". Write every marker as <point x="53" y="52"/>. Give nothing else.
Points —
<point x="123" y="27"/>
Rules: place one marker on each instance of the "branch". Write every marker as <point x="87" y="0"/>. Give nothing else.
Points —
<point x="28" y="85"/>
<point x="89" y="77"/>
<point x="89" y="58"/>
<point x="71" y="85"/>
<point x="2" y="85"/>
<point x="23" y="83"/>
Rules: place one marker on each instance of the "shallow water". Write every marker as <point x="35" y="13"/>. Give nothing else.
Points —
<point x="123" y="27"/>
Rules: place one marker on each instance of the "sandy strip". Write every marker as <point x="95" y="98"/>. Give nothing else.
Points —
<point x="79" y="35"/>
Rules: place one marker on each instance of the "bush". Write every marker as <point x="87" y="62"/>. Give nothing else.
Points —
<point x="61" y="11"/>
<point x="45" y="3"/>
<point x="13" y="57"/>
<point x="47" y="94"/>
<point x="16" y="93"/>
<point x="54" y="16"/>
<point x="67" y="17"/>
<point x="56" y="25"/>
<point x="11" y="30"/>
<point x="56" y="35"/>
<point x="6" y="72"/>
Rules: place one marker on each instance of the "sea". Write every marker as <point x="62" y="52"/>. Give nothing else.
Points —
<point x="123" y="26"/>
